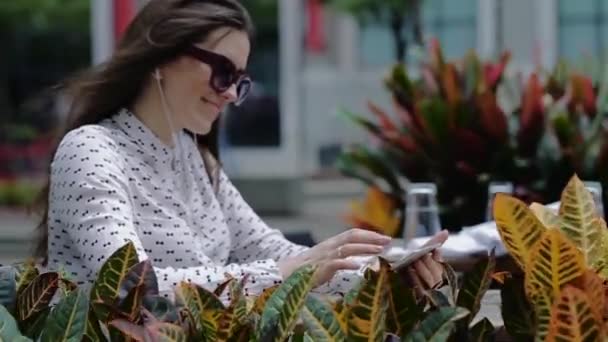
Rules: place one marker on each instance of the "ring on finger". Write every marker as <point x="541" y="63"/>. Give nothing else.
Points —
<point x="340" y="252"/>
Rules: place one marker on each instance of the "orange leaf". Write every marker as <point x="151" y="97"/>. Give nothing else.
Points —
<point x="450" y="85"/>
<point x="500" y="277"/>
<point x="492" y="118"/>
<point x="377" y="212"/>
<point x="593" y="285"/>
<point x="572" y="318"/>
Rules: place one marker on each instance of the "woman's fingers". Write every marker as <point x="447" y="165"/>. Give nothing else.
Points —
<point x="437" y="255"/>
<point x="356" y="249"/>
<point x="356" y="235"/>
<point x="424" y="273"/>
<point x="343" y="264"/>
<point x="414" y="279"/>
<point x="435" y="268"/>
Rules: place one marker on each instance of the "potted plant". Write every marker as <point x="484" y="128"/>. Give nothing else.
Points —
<point x="463" y="124"/>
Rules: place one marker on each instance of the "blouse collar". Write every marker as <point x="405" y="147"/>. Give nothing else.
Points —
<point x="152" y="147"/>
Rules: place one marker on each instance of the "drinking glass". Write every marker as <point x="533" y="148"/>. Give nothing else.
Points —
<point x="422" y="211"/>
<point x="595" y="188"/>
<point x="493" y="189"/>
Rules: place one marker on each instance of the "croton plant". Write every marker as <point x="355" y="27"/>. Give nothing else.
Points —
<point x="124" y="305"/>
<point x="463" y="124"/>
<point x="560" y="294"/>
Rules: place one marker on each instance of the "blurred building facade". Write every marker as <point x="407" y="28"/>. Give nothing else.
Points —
<point x="312" y="60"/>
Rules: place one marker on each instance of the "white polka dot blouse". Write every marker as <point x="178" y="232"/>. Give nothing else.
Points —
<point x="115" y="182"/>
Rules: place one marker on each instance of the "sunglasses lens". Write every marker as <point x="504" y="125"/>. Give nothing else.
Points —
<point x="222" y="79"/>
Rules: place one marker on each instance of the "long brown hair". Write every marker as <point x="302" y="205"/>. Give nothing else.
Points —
<point x="159" y="33"/>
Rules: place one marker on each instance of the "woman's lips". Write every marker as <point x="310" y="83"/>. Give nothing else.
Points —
<point x="211" y="103"/>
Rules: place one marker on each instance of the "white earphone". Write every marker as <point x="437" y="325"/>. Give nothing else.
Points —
<point x="157" y="74"/>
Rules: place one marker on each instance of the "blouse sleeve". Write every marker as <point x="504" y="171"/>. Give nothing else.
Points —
<point x="90" y="202"/>
<point x="253" y="240"/>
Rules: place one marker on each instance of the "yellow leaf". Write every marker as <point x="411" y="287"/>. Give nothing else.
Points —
<point x="554" y="262"/>
<point x="542" y="310"/>
<point x="572" y="318"/>
<point x="579" y="219"/>
<point x="600" y="264"/>
<point x="547" y="217"/>
<point x="376" y="212"/>
<point x="519" y="229"/>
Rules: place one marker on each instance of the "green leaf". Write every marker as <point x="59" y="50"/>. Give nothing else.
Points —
<point x="542" y="310"/>
<point x="140" y="274"/>
<point x="320" y="321"/>
<point x="516" y="311"/>
<point x="438" y="325"/>
<point x="110" y="277"/>
<point x="25" y="275"/>
<point x="435" y="113"/>
<point x="93" y="331"/>
<point x="437" y="299"/>
<point x="33" y="326"/>
<point x="482" y="331"/>
<point x="452" y="279"/>
<point x="475" y="284"/>
<point x="283" y="306"/>
<point x="8" y="327"/>
<point x="37" y="295"/>
<point x="404" y="311"/>
<point x="68" y="320"/>
<point x="198" y="301"/>
<point x="368" y="315"/>
<point x="8" y="287"/>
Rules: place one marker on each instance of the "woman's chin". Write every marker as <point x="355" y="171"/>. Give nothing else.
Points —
<point x="201" y="127"/>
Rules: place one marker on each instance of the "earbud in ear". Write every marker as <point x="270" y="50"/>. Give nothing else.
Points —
<point x="157" y="74"/>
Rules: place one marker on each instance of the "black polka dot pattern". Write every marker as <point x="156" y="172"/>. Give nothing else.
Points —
<point x="116" y="182"/>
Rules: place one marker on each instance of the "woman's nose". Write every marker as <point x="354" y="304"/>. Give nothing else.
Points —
<point x="230" y="95"/>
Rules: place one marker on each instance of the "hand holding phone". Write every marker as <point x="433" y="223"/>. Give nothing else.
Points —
<point x="412" y="255"/>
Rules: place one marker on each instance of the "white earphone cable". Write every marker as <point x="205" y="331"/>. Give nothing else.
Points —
<point x="174" y="135"/>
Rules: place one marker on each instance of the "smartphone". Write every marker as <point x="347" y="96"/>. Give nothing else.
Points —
<point x="412" y="256"/>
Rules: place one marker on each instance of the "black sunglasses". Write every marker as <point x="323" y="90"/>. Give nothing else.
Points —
<point x="223" y="73"/>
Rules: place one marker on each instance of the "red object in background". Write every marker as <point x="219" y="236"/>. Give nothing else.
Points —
<point x="124" y="11"/>
<point x="315" y="37"/>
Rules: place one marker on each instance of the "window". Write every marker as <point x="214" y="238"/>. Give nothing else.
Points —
<point x="583" y="28"/>
<point x="452" y="22"/>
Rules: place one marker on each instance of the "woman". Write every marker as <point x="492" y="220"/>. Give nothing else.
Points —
<point x="139" y="163"/>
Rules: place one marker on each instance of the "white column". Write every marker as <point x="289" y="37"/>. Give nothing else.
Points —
<point x="347" y="32"/>
<point x="547" y="31"/>
<point x="291" y="50"/>
<point x="487" y="28"/>
<point x="102" y="30"/>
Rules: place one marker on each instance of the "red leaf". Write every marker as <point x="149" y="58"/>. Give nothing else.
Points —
<point x="492" y="118"/>
<point x="494" y="72"/>
<point x="436" y="54"/>
<point x="385" y="121"/>
<point x="468" y="145"/>
<point x="532" y="117"/>
<point x="409" y="120"/>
